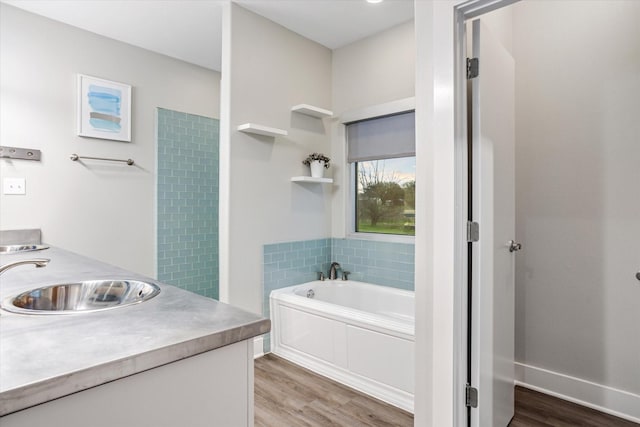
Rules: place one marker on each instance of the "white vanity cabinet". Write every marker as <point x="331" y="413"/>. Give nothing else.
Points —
<point x="209" y="389"/>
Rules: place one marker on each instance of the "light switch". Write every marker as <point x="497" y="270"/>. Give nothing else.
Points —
<point x="14" y="186"/>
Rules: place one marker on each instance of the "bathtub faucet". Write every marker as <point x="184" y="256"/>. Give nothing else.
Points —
<point x="333" y="271"/>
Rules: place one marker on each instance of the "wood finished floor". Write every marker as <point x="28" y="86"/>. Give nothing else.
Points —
<point x="287" y="395"/>
<point x="535" y="409"/>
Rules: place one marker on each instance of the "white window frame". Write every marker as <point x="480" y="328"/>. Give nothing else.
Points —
<point x="394" y="107"/>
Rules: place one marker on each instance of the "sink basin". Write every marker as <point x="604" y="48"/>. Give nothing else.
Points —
<point x="14" y="249"/>
<point x="81" y="297"/>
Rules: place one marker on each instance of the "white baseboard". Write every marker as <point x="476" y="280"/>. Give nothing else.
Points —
<point x="258" y="350"/>
<point x="605" y="399"/>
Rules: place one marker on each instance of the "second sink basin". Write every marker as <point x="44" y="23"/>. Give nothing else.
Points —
<point x="81" y="297"/>
<point x="14" y="249"/>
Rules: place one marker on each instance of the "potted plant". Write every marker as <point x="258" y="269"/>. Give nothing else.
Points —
<point x="318" y="162"/>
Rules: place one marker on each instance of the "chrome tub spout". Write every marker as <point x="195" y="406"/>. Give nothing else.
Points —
<point x="333" y="271"/>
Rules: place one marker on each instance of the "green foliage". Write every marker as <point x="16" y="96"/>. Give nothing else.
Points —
<point x="410" y="195"/>
<point x="319" y="157"/>
<point x="382" y="201"/>
<point x="384" y="228"/>
<point x="384" y="205"/>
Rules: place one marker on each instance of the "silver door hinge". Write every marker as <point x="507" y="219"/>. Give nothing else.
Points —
<point x="473" y="231"/>
<point x="471" y="396"/>
<point x="473" y="68"/>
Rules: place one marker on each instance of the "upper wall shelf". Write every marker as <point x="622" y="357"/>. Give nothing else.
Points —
<point x="261" y="130"/>
<point x="312" y="111"/>
<point x="311" y="179"/>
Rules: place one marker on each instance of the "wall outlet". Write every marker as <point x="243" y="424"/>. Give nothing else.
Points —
<point x="14" y="186"/>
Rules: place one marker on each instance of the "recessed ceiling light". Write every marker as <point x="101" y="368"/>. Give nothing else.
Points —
<point x="374" y="1"/>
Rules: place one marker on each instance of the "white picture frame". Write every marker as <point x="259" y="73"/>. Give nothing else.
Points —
<point x="104" y="109"/>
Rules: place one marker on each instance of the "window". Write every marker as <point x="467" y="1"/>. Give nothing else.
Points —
<point x="381" y="151"/>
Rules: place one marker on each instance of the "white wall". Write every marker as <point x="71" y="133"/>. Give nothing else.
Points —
<point x="372" y="71"/>
<point x="271" y="69"/>
<point x="435" y="394"/>
<point x="375" y="70"/>
<point x="578" y="206"/>
<point x="500" y="22"/>
<point x="102" y="210"/>
<point x="436" y="308"/>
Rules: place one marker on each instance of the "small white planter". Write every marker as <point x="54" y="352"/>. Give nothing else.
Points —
<point x="317" y="169"/>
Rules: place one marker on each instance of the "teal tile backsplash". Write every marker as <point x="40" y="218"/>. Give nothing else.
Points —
<point x="293" y="263"/>
<point x="380" y="263"/>
<point x="188" y="158"/>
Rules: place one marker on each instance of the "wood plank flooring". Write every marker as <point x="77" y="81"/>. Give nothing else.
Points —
<point x="535" y="409"/>
<point x="287" y="395"/>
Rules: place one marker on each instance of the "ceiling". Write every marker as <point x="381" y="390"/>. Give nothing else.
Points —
<point x="190" y="30"/>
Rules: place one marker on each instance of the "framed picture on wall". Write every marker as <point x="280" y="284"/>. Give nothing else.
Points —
<point x="104" y="109"/>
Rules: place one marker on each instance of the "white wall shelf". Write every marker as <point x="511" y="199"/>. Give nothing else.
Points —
<point x="312" y="180"/>
<point x="312" y="111"/>
<point x="262" y="130"/>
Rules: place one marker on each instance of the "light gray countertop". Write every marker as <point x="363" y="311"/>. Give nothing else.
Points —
<point x="43" y="357"/>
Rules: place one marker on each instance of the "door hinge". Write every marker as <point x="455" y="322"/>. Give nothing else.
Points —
<point x="473" y="231"/>
<point x="473" y="68"/>
<point x="471" y="396"/>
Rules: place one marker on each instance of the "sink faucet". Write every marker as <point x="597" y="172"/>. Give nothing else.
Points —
<point x="333" y="271"/>
<point x="38" y="262"/>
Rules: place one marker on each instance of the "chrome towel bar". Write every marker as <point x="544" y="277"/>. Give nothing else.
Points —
<point x="74" y="157"/>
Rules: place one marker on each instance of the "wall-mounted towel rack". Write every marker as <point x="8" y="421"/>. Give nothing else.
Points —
<point x="74" y="157"/>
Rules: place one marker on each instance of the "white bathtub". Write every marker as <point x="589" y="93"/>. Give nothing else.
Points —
<point x="358" y="334"/>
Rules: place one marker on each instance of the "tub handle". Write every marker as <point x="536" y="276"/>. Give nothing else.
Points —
<point x="321" y="276"/>
<point x="345" y="275"/>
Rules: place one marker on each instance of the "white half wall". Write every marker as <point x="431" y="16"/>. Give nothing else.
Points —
<point x="99" y="209"/>
<point x="270" y="69"/>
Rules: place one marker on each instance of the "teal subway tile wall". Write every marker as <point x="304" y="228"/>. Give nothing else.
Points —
<point x="188" y="158"/>
<point x="380" y="263"/>
<point x="294" y="263"/>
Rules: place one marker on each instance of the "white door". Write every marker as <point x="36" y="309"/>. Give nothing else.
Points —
<point x="493" y="205"/>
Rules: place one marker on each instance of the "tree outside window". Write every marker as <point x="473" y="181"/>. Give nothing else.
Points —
<point x="386" y="196"/>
